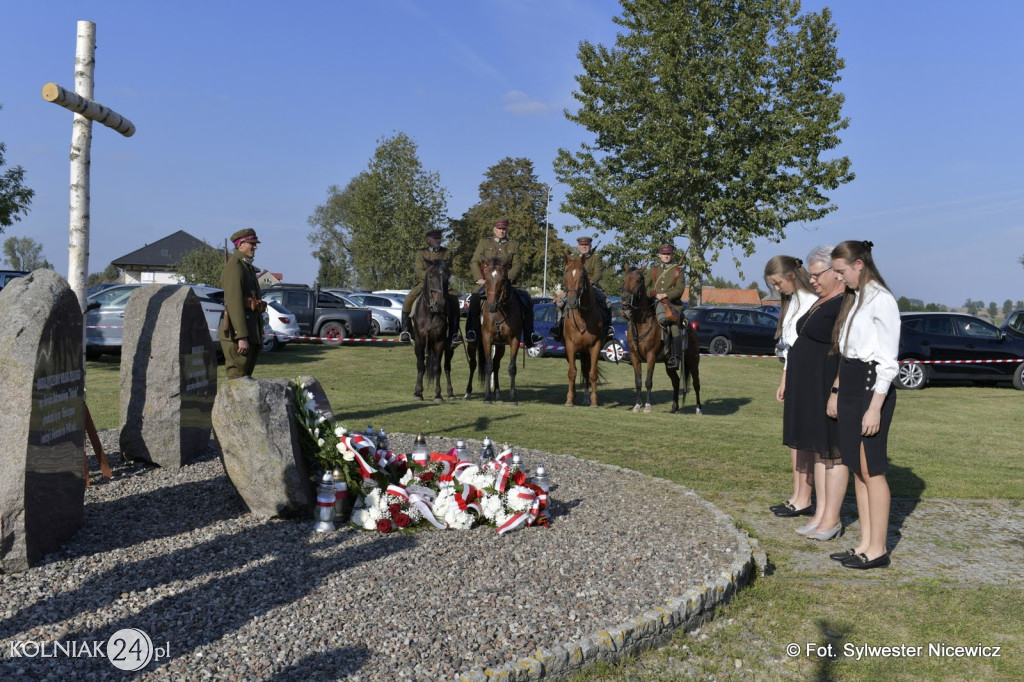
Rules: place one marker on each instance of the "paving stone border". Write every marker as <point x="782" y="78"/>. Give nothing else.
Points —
<point x="647" y="630"/>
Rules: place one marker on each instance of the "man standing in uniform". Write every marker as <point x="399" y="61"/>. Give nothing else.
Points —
<point x="666" y="284"/>
<point x="433" y="251"/>
<point x="502" y="248"/>
<point x="241" y="328"/>
<point x="595" y="271"/>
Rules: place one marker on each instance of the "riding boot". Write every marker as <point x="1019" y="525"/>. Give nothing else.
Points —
<point x="676" y="357"/>
<point x="473" y="318"/>
<point x="556" y="329"/>
<point x="453" y="327"/>
<point x="406" y="335"/>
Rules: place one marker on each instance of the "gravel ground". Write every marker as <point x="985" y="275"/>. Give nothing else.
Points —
<point x="233" y="596"/>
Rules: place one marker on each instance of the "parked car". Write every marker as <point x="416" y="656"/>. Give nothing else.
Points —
<point x="283" y="326"/>
<point x="1014" y="324"/>
<point x="537" y="300"/>
<point x="464" y="304"/>
<point x="388" y="303"/>
<point x="96" y="288"/>
<point x="7" y="275"/>
<point x="769" y="308"/>
<point x="544" y="315"/>
<point x="957" y="336"/>
<point x="321" y="313"/>
<point x="104" y="318"/>
<point x="723" y="329"/>
<point x="382" y="322"/>
<point x="400" y="294"/>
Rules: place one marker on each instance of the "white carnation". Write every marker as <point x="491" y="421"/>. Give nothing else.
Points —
<point x="340" y="431"/>
<point x="516" y="503"/>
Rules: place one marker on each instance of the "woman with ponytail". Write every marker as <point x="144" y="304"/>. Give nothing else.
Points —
<point x="867" y="337"/>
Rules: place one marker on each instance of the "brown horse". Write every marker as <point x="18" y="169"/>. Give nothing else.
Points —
<point x="501" y="321"/>
<point x="646" y="344"/>
<point x="583" y="329"/>
<point x="431" y="314"/>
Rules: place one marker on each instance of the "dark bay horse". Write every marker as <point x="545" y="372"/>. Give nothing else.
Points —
<point x="646" y="344"/>
<point x="583" y="329"/>
<point x="431" y="340"/>
<point x="501" y="322"/>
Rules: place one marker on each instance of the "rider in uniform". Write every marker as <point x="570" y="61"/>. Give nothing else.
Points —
<point x="666" y="284"/>
<point x="432" y="251"/>
<point x="502" y="248"/>
<point x="595" y="270"/>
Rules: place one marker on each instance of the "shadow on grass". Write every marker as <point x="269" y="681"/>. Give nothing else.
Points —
<point x="830" y="648"/>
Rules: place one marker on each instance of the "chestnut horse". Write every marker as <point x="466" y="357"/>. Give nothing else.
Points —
<point x="646" y="344"/>
<point x="582" y="329"/>
<point x="501" y="321"/>
<point x="432" y="342"/>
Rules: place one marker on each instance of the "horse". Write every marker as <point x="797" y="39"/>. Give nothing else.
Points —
<point x="646" y="344"/>
<point x="501" y="321"/>
<point x="582" y="329"/>
<point x="430" y="317"/>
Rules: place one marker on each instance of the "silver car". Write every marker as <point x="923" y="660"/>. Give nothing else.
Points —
<point x="385" y="303"/>
<point x="383" y="322"/>
<point x="104" y="319"/>
<point x="283" y="326"/>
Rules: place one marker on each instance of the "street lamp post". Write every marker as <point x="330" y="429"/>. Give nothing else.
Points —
<point x="547" y="228"/>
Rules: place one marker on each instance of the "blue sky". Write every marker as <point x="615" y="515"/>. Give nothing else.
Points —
<point x="247" y="111"/>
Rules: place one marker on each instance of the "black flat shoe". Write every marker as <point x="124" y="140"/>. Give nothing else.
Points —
<point x="777" y="507"/>
<point x="861" y="561"/>
<point x="842" y="556"/>
<point x="789" y="510"/>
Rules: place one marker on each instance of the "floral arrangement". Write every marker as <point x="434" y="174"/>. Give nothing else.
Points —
<point x="393" y="491"/>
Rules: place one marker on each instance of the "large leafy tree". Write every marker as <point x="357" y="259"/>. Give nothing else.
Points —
<point x="375" y="224"/>
<point x="15" y="198"/>
<point x="712" y="123"/>
<point x="110" y="274"/>
<point x="24" y="253"/>
<point x="510" y="191"/>
<point x="201" y="266"/>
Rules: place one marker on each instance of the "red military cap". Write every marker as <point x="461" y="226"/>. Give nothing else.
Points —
<point x="666" y="248"/>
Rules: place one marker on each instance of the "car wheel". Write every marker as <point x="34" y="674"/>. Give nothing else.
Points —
<point x="720" y="346"/>
<point x="1018" y="377"/>
<point x="911" y="376"/>
<point x="374" y="328"/>
<point x="613" y="351"/>
<point x="332" y="333"/>
<point x="270" y="344"/>
<point x="536" y="351"/>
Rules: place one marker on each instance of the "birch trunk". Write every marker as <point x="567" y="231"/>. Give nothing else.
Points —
<point x="81" y="143"/>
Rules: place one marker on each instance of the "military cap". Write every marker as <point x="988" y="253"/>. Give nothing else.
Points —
<point x="584" y="240"/>
<point x="246" y="235"/>
<point x="666" y="248"/>
<point x="501" y="223"/>
<point x="434" y="232"/>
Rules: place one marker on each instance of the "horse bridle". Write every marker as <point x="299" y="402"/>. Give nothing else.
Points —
<point x="575" y="301"/>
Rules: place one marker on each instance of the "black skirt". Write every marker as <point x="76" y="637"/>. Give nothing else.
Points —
<point x="856" y="389"/>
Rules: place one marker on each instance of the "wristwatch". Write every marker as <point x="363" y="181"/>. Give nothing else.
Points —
<point x="835" y="390"/>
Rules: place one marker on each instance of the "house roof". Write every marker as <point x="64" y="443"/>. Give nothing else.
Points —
<point x="730" y="296"/>
<point x="163" y="253"/>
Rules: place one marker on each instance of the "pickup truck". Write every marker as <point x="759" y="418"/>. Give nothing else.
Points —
<point x="320" y="313"/>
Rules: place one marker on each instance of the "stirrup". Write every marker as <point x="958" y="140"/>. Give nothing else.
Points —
<point x="536" y="338"/>
<point x="405" y="337"/>
<point x="671" y="362"/>
<point x="456" y="339"/>
<point x="470" y="336"/>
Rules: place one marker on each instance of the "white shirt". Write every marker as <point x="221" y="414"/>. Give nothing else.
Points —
<point x="872" y="333"/>
<point x="799" y="303"/>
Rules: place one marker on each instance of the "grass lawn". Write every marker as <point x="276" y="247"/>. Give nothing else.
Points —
<point x="946" y="442"/>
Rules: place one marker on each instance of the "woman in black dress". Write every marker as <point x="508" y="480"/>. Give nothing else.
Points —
<point x="812" y="369"/>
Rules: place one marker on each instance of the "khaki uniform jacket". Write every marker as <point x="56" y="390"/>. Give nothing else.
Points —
<point x="505" y="249"/>
<point x="427" y="254"/>
<point x="238" y="280"/>
<point x="665" y="279"/>
<point x="594" y="267"/>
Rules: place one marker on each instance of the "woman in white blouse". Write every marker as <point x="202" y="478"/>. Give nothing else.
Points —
<point x="788" y="276"/>
<point x="867" y="336"/>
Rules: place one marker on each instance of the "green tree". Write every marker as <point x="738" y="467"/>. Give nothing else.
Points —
<point x="993" y="309"/>
<point x="712" y="122"/>
<point x="23" y="253"/>
<point x="15" y="198"/>
<point x="510" y="191"/>
<point x="330" y="239"/>
<point x="1007" y="307"/>
<point x="110" y="274"/>
<point x="201" y="266"/>
<point x="383" y="214"/>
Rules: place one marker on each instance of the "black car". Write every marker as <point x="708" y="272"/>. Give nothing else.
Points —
<point x="1014" y="325"/>
<point x="957" y="336"/>
<point x="7" y="275"/>
<point x="722" y="330"/>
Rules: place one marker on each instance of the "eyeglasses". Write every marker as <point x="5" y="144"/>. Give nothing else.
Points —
<point x="816" y="275"/>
